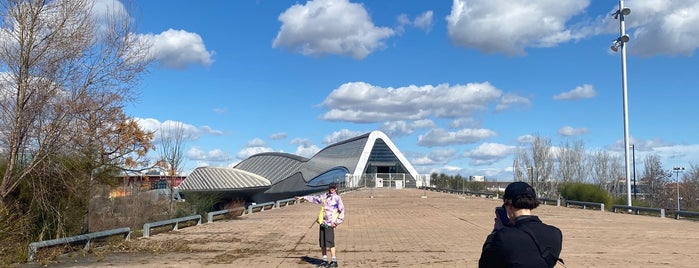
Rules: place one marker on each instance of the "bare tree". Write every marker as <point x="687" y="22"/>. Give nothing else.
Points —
<point x="606" y="172"/>
<point x="571" y="162"/>
<point x="171" y="152"/>
<point x="61" y="62"/>
<point x="690" y="188"/>
<point x="537" y="164"/>
<point x="656" y="181"/>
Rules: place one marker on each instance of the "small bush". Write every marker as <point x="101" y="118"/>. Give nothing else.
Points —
<point x="634" y="202"/>
<point x="586" y="193"/>
<point x="13" y="234"/>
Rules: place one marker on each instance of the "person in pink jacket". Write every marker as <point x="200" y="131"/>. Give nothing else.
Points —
<point x="331" y="214"/>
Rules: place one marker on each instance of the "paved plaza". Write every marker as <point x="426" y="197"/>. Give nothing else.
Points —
<point x="400" y="228"/>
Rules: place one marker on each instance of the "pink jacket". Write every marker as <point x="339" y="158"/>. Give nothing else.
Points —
<point x="334" y="208"/>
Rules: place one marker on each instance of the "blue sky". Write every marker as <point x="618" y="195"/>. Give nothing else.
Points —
<point x="457" y="85"/>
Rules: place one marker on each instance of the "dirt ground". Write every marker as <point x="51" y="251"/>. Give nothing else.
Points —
<point x="400" y="228"/>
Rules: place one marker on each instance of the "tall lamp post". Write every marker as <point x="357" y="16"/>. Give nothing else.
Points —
<point x="618" y="43"/>
<point x="677" y="171"/>
<point x="633" y="157"/>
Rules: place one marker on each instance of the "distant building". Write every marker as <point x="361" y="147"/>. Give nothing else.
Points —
<point x="131" y="184"/>
<point x="476" y="178"/>
<point x="273" y="176"/>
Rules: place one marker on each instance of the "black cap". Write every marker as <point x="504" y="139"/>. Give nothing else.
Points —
<point x="519" y="188"/>
<point x="332" y="186"/>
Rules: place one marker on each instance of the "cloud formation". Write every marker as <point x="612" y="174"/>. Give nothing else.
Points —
<point x="669" y="27"/>
<point x="340" y="135"/>
<point x="215" y="155"/>
<point x="504" y="26"/>
<point x="440" y="137"/>
<point x="571" y="131"/>
<point x="489" y="153"/>
<point x="169" y="128"/>
<point x="403" y="128"/>
<point x="253" y="147"/>
<point x="361" y="102"/>
<point x="338" y="27"/>
<point x="581" y="92"/>
<point x="178" y="49"/>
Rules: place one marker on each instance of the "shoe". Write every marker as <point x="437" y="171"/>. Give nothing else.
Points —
<point x="332" y="264"/>
<point x="322" y="264"/>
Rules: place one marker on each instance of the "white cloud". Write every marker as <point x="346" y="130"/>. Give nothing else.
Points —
<point x="424" y="21"/>
<point x="510" y="99"/>
<point x="209" y="130"/>
<point x="178" y="49"/>
<point x="189" y="132"/>
<point x="463" y="123"/>
<point x="256" y="142"/>
<point x="509" y="26"/>
<point x="669" y="27"/>
<point x="361" y="102"/>
<point x="305" y="147"/>
<point x="581" y="92"/>
<point x="441" y="156"/>
<point x="402" y="128"/>
<point x="253" y="147"/>
<point x="526" y="138"/>
<point x="440" y="137"/>
<point x="571" y="131"/>
<point x="341" y="135"/>
<point x="489" y="153"/>
<point x="278" y="136"/>
<point x="323" y="27"/>
<point x="216" y="155"/>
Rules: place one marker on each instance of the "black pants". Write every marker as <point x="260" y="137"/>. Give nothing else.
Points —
<point x="326" y="237"/>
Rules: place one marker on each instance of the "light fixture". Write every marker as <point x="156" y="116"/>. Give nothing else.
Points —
<point x="619" y="42"/>
<point x="615" y="46"/>
<point x="625" y="11"/>
<point x="624" y="38"/>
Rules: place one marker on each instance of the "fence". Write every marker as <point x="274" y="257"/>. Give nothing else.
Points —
<point x="585" y="204"/>
<point x="176" y="222"/>
<point x="679" y="213"/>
<point x="637" y="210"/>
<point x="86" y="238"/>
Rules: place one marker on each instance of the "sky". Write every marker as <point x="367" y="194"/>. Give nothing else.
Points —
<point x="457" y="85"/>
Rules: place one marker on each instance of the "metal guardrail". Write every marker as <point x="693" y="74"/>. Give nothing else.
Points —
<point x="261" y="206"/>
<point x="210" y="215"/>
<point x="176" y="222"/>
<point x="286" y="202"/>
<point x="87" y="238"/>
<point x="636" y="210"/>
<point x="546" y="201"/>
<point x="35" y="246"/>
<point x="679" y="213"/>
<point x="585" y="204"/>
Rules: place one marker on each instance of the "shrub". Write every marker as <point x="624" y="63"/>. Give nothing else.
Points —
<point x="586" y="193"/>
<point x="634" y="202"/>
<point x="13" y="234"/>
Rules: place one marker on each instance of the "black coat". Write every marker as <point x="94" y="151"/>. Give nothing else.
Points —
<point x="513" y="247"/>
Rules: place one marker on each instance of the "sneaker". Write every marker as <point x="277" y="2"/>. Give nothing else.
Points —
<point x="332" y="264"/>
<point x="322" y="264"/>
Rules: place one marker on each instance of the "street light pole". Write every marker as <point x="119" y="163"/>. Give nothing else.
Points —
<point x="620" y="42"/>
<point x="677" y="173"/>
<point x="633" y="157"/>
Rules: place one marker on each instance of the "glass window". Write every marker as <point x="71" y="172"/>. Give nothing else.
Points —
<point x="336" y="174"/>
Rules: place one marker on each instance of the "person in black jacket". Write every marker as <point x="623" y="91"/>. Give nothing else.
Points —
<point x="523" y="241"/>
